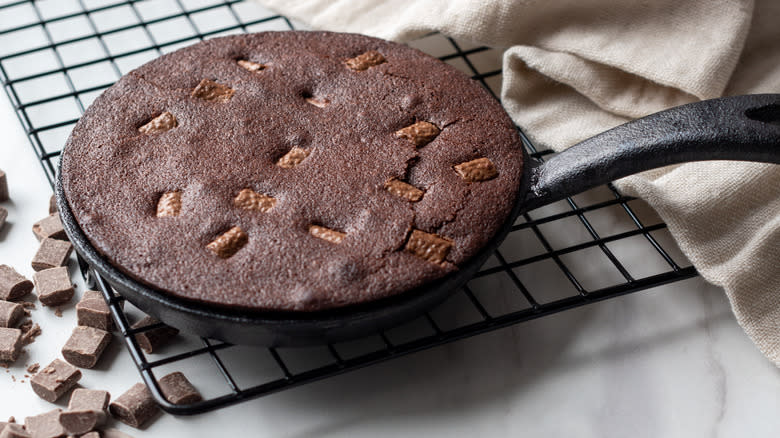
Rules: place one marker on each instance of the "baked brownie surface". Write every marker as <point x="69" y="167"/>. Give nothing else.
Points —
<point x="294" y="171"/>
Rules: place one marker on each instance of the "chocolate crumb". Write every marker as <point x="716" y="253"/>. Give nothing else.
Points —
<point x="32" y="369"/>
<point x="29" y="336"/>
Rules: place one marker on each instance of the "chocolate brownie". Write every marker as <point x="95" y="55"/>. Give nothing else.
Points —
<point x="295" y="171"/>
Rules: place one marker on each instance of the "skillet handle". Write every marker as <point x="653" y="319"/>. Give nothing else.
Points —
<point x="743" y="128"/>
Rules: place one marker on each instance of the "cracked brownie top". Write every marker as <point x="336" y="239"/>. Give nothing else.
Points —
<point x="296" y="171"/>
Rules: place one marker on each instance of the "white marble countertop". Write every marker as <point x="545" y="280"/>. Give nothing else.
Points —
<point x="667" y="362"/>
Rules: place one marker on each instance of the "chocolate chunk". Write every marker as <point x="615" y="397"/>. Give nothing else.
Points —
<point x="94" y="399"/>
<point x="249" y="199"/>
<point x="152" y="340"/>
<point x="52" y="205"/>
<point x="178" y="390"/>
<point x="249" y="65"/>
<point x="81" y="421"/>
<point x="404" y="190"/>
<point x="54" y="380"/>
<point x="366" y="60"/>
<point x="13" y="430"/>
<point x="10" y="313"/>
<point x="3" y="216"/>
<point x="169" y="204"/>
<point x="50" y="226"/>
<point x="420" y="133"/>
<point x="51" y="254"/>
<point x="212" y="91"/>
<point x="135" y="407"/>
<point x="481" y="169"/>
<point x="92" y="311"/>
<point x="428" y="246"/>
<point x="53" y="286"/>
<point x="293" y="158"/>
<point x="10" y="344"/>
<point x="45" y="425"/>
<point x="87" y="410"/>
<point x="12" y="284"/>
<point x="85" y="346"/>
<point x="229" y="242"/>
<point x="161" y="123"/>
<point x="32" y="369"/>
<point x="319" y="102"/>
<point x="3" y="187"/>
<point x="114" y="433"/>
<point x="323" y="233"/>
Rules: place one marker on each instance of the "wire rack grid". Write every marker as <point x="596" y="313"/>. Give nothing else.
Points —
<point x="56" y="56"/>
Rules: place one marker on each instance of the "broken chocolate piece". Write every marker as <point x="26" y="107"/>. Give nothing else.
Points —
<point x="420" y="133"/>
<point x="249" y="199"/>
<point x="85" y="346"/>
<point x="212" y="91"/>
<point x="45" y="425"/>
<point x="3" y="186"/>
<point x="249" y="65"/>
<point x="53" y="286"/>
<point x="51" y="254"/>
<point x="404" y="190"/>
<point x="10" y="313"/>
<point x="87" y="410"/>
<point x="13" y="430"/>
<point x="153" y="339"/>
<point x="10" y="344"/>
<point x="365" y="61"/>
<point x="29" y="333"/>
<point x="12" y="284"/>
<point x="178" y="390"/>
<point x="92" y="311"/>
<point x="161" y="123"/>
<point x="293" y="158"/>
<point x="135" y="407"/>
<point x="323" y="233"/>
<point x="50" y="226"/>
<point x="229" y="242"/>
<point x="54" y="380"/>
<point x="481" y="169"/>
<point x="79" y="422"/>
<point x="169" y="204"/>
<point x="428" y="246"/>
<point x="52" y="205"/>
<point x="32" y="369"/>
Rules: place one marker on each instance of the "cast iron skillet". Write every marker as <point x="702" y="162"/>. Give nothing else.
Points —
<point x="743" y="128"/>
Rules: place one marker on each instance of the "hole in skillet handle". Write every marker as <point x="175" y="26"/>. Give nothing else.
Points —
<point x="766" y="114"/>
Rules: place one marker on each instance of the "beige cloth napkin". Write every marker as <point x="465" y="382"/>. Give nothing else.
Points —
<point x="575" y="68"/>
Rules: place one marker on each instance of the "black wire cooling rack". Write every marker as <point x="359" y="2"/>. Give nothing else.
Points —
<point x="56" y="56"/>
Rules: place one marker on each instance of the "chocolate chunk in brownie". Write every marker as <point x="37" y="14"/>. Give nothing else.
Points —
<point x="178" y="390"/>
<point x="85" y="345"/>
<point x="51" y="254"/>
<point x="54" y="380"/>
<point x="92" y="311"/>
<point x="10" y="344"/>
<point x="152" y="339"/>
<point x="12" y="284"/>
<point x="53" y="286"/>
<point x="135" y="407"/>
